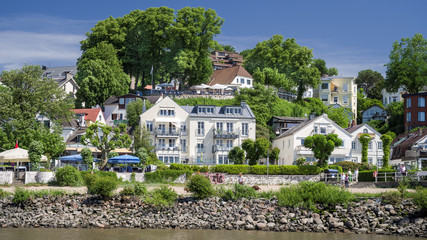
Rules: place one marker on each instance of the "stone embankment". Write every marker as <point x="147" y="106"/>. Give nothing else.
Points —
<point x="81" y="211"/>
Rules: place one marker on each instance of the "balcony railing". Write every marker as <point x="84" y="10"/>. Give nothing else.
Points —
<point x="219" y="148"/>
<point x="168" y="148"/>
<point x="168" y="132"/>
<point x="218" y="133"/>
<point x="117" y="122"/>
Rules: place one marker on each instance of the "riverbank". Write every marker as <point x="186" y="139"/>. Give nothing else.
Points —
<point x="82" y="211"/>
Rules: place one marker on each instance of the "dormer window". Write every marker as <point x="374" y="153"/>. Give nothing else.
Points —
<point x="167" y="112"/>
<point x="209" y="110"/>
<point x="233" y="110"/>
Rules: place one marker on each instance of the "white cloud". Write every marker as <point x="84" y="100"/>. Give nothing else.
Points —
<point x="18" y="48"/>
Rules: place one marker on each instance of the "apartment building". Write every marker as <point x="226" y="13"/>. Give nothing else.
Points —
<point x="201" y="134"/>
<point x="291" y="142"/>
<point x="415" y="110"/>
<point x="338" y="90"/>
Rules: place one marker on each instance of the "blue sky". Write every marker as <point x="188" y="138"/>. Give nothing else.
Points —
<point x="350" y="36"/>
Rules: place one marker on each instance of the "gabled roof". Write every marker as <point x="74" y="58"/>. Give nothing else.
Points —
<point x="115" y="100"/>
<point x="227" y="75"/>
<point x="356" y="127"/>
<point x="353" y="128"/>
<point x="56" y="72"/>
<point x="90" y="113"/>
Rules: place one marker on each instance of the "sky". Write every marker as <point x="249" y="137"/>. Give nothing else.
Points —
<point x="349" y="35"/>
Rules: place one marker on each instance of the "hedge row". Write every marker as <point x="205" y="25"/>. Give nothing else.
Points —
<point x="194" y="168"/>
<point x="85" y="174"/>
<point x="262" y="169"/>
<point x="368" y="176"/>
<point x="166" y="175"/>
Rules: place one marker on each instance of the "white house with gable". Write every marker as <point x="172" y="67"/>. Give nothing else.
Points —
<point x="291" y="142"/>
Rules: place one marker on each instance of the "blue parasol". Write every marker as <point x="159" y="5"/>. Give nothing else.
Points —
<point x="124" y="159"/>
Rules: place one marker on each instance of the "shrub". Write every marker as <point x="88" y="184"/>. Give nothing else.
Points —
<point x="102" y="186"/>
<point x="300" y="161"/>
<point x="47" y="192"/>
<point x="3" y="193"/>
<point x="392" y="197"/>
<point x="85" y="174"/>
<point x="167" y="175"/>
<point x="239" y="191"/>
<point x="140" y="189"/>
<point x="21" y="196"/>
<point x="309" y="193"/>
<point x="420" y="198"/>
<point x="127" y="191"/>
<point x="200" y="186"/>
<point x="273" y="169"/>
<point x="68" y="176"/>
<point x="193" y="168"/>
<point x="345" y="165"/>
<point x="365" y="167"/>
<point x="368" y="176"/>
<point x="162" y="197"/>
<point x="231" y="169"/>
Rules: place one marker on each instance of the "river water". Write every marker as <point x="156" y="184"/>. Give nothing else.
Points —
<point x="155" y="234"/>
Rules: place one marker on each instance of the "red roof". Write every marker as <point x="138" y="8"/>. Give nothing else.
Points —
<point x="227" y="75"/>
<point x="90" y="113"/>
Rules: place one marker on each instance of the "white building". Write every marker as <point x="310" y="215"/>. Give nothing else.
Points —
<point x="235" y="76"/>
<point x="200" y="134"/>
<point x="115" y="108"/>
<point x="64" y="76"/>
<point x="392" y="97"/>
<point x="291" y="142"/>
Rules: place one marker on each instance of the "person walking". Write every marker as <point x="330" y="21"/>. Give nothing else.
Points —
<point x="241" y="178"/>
<point x="342" y="180"/>
<point x="346" y="180"/>
<point x="356" y="175"/>
<point x="350" y="175"/>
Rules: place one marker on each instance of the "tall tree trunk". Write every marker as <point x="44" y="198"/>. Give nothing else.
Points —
<point x="143" y="80"/>
<point x="136" y="80"/>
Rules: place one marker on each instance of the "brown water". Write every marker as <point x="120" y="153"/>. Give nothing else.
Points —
<point x="147" y="234"/>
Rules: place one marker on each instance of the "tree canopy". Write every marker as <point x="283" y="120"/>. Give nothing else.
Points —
<point x="134" y="110"/>
<point x="322" y="146"/>
<point x="295" y="61"/>
<point x="372" y="83"/>
<point x="407" y="67"/>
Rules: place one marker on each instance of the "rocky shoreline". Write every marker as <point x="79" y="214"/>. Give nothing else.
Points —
<point x="82" y="211"/>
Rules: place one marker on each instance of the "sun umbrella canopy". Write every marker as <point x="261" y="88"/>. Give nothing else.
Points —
<point x="74" y="158"/>
<point x="17" y="155"/>
<point x="124" y="159"/>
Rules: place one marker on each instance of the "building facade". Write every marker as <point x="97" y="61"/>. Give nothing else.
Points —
<point x="234" y="77"/>
<point x="415" y="110"/>
<point x="201" y="134"/>
<point x="389" y="97"/>
<point x="291" y="142"/>
<point x="115" y="108"/>
<point x="374" y="113"/>
<point x="338" y="90"/>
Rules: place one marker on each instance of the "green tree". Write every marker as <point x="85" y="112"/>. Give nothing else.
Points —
<point x="134" y="110"/>
<point x="100" y="75"/>
<point x="322" y="146"/>
<point x="395" y="113"/>
<point x="386" y="139"/>
<point x="274" y="155"/>
<point x="143" y="156"/>
<point x="142" y="139"/>
<point x="289" y="58"/>
<point x="364" y="139"/>
<point x="320" y="64"/>
<point x="407" y="67"/>
<point x="271" y="77"/>
<point x="86" y="154"/>
<point x="372" y="83"/>
<point x="24" y="95"/>
<point x="35" y="154"/>
<point x="340" y="116"/>
<point x="106" y="139"/>
<point x="228" y="48"/>
<point x="315" y="106"/>
<point x="237" y="155"/>
<point x="332" y="71"/>
<point x="255" y="149"/>
<point x="193" y="32"/>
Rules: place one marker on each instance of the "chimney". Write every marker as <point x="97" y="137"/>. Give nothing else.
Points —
<point x="243" y="104"/>
<point x="353" y="123"/>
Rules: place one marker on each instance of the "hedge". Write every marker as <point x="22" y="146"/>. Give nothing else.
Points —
<point x="194" y="168"/>
<point x="368" y="176"/>
<point x="85" y="174"/>
<point x="167" y="175"/>
<point x="273" y="169"/>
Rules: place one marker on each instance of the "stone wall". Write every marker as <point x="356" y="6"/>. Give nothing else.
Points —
<point x="39" y="177"/>
<point x="250" y="179"/>
<point x="139" y="177"/>
<point x="6" y="177"/>
<point x="83" y="211"/>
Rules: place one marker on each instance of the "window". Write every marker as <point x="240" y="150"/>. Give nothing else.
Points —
<point x="128" y="100"/>
<point x="200" y="128"/>
<point x="149" y="125"/>
<point x="172" y="142"/>
<point x="354" y="89"/>
<point x="162" y="142"/>
<point x="171" y="112"/>
<point x="421" y="116"/>
<point x="219" y="126"/>
<point x="229" y="127"/>
<point x="324" y="97"/>
<point x="325" y="86"/>
<point x="219" y="143"/>
<point x="242" y="81"/>
<point x="342" y="143"/>
<point x="315" y="129"/>
<point x="421" y="101"/>
<point x="365" y="130"/>
<point x="345" y="99"/>
<point x="394" y="99"/>
<point x="183" y="145"/>
<point x="162" y="128"/>
<point x="323" y="130"/>
<point x="380" y="145"/>
<point x="369" y="160"/>
<point x="408" y="117"/>
<point x="200" y="147"/>
<point x="380" y="163"/>
<point x="162" y="112"/>
<point x="370" y="146"/>
<point x="245" y="129"/>
<point x="229" y="144"/>
<point x="345" y="87"/>
<point x="46" y="123"/>
<point x="302" y="141"/>
<point x="121" y="101"/>
<point x="353" y="145"/>
<point x="184" y="127"/>
<point x="165" y="112"/>
<point x="408" y="102"/>
<point x="248" y="82"/>
<point x="335" y="99"/>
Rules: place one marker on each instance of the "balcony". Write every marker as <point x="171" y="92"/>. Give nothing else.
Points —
<point x="167" y="132"/>
<point x="117" y="122"/>
<point x="219" y="148"/>
<point x="167" y="148"/>
<point x="225" y="135"/>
